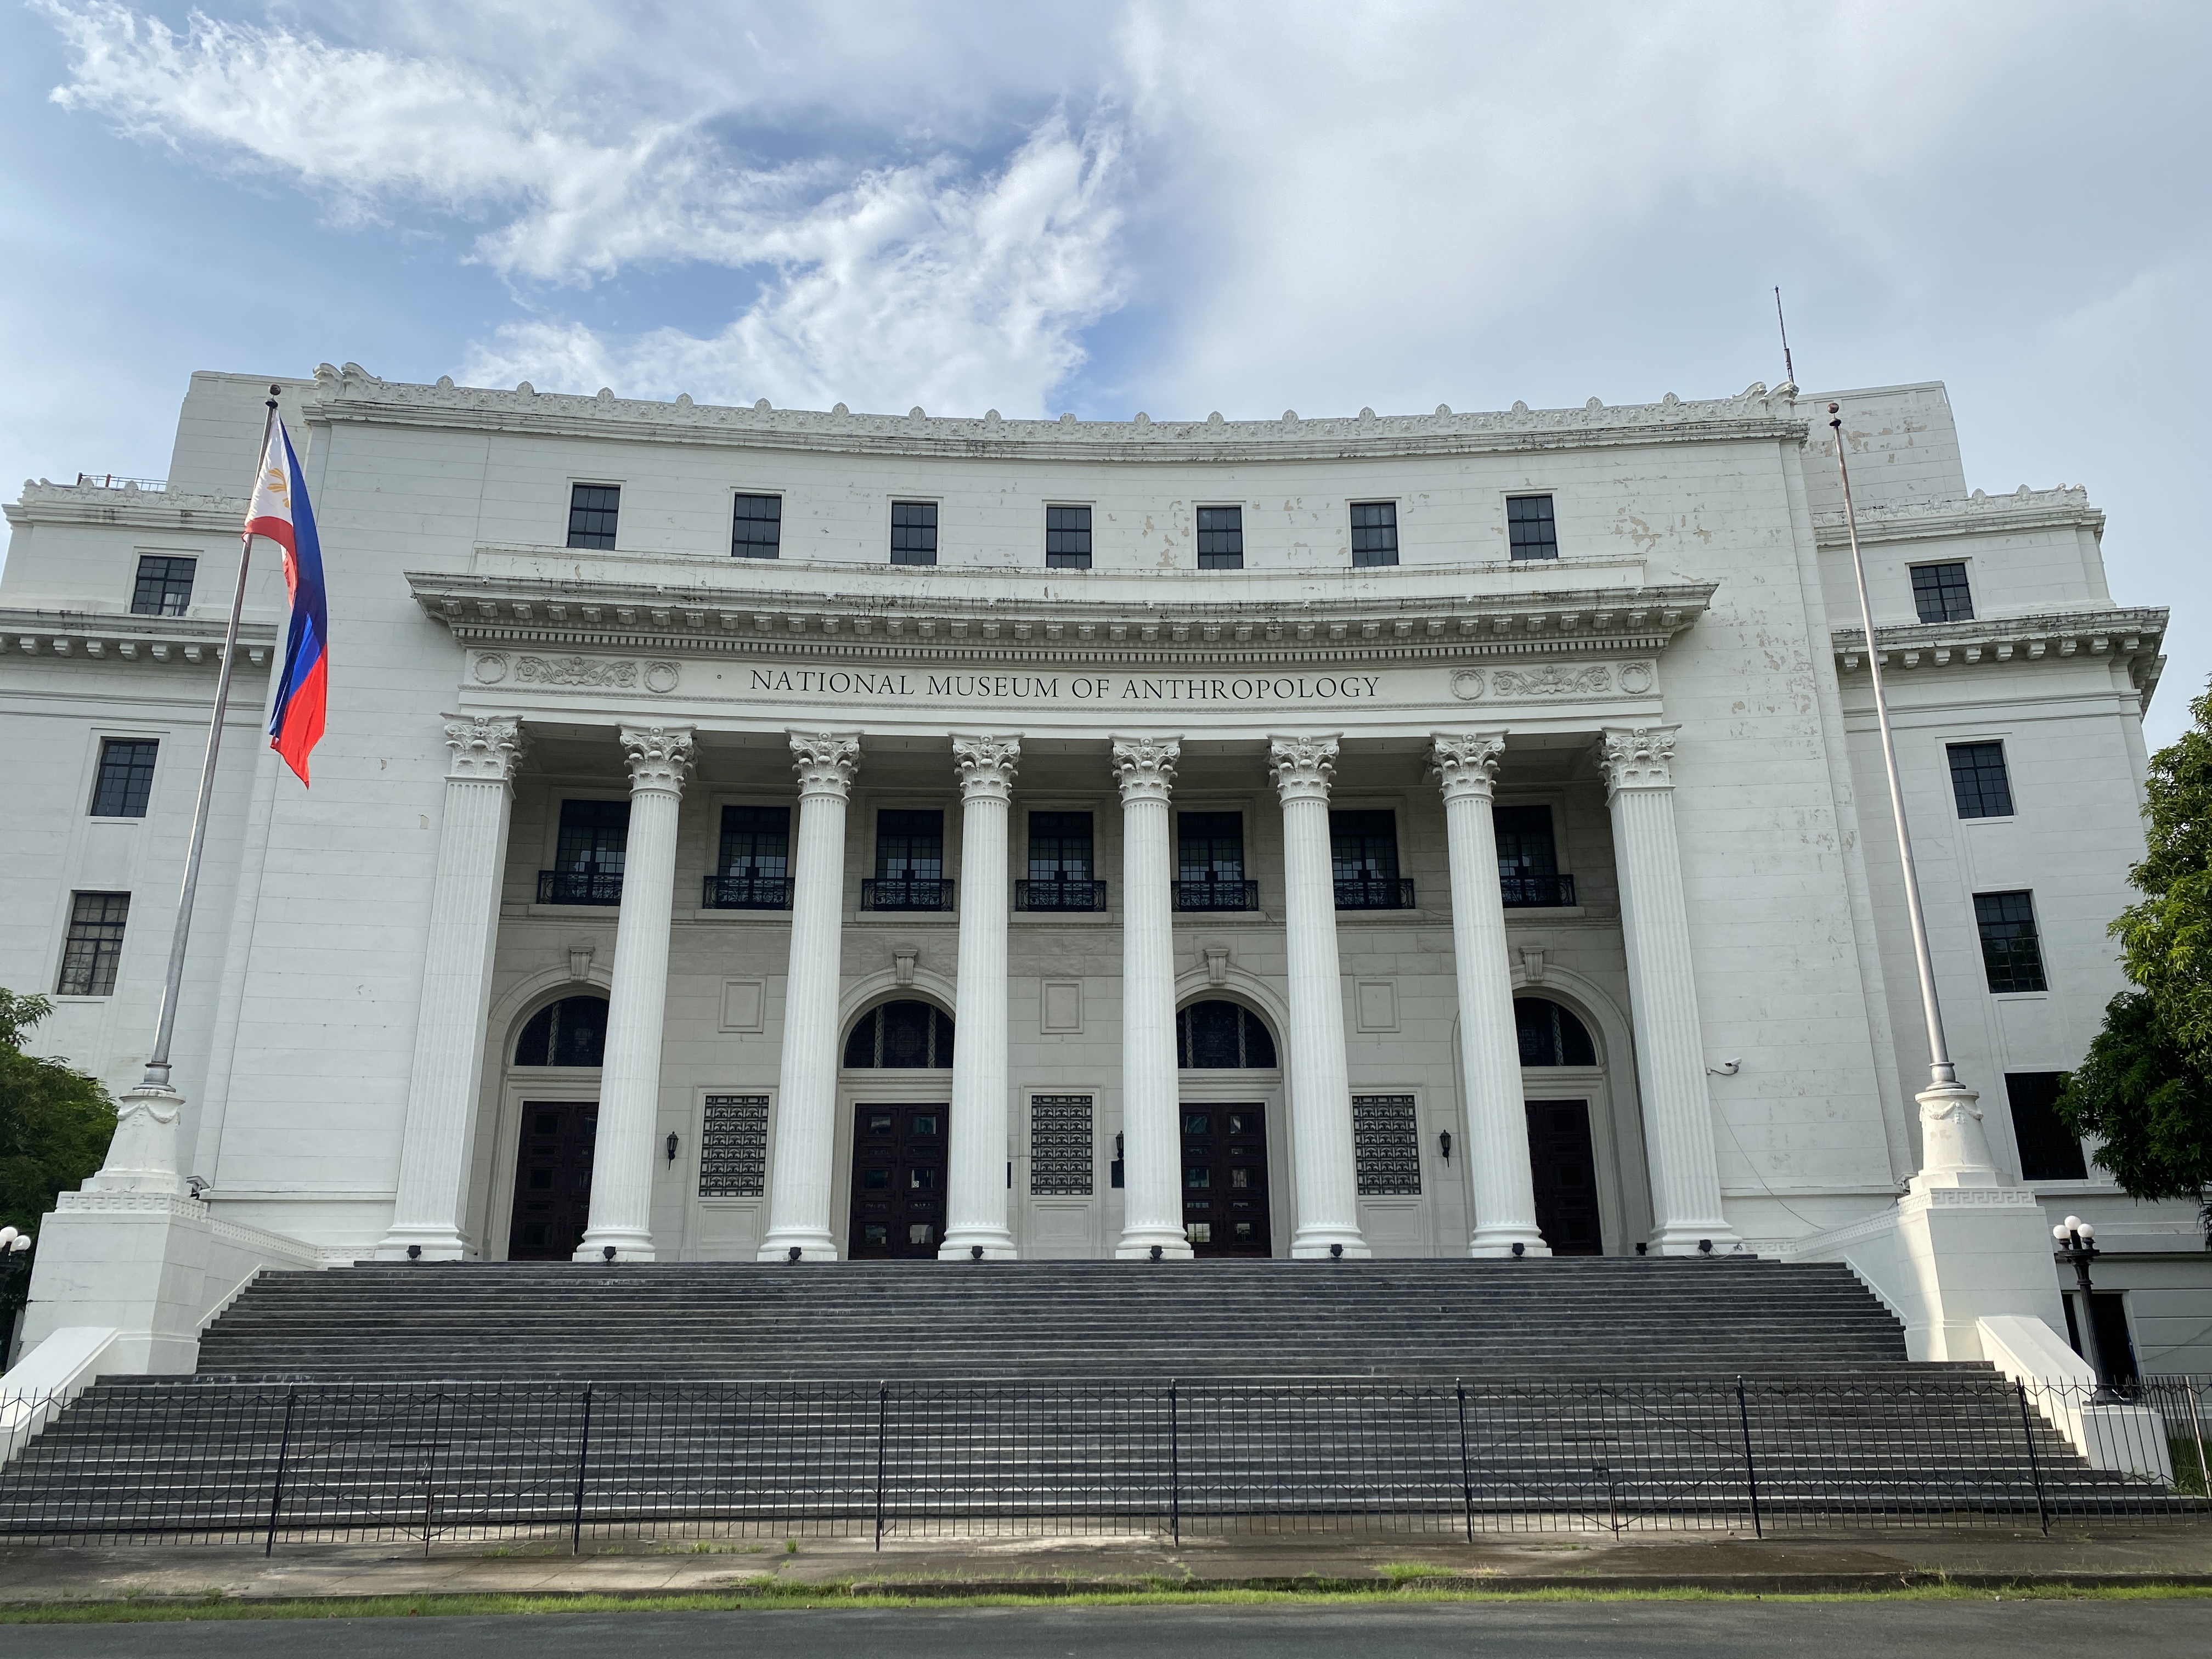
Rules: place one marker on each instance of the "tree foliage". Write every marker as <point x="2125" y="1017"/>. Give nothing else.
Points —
<point x="55" y="1122"/>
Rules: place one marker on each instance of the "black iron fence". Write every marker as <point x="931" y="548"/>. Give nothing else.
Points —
<point x="211" y="1461"/>
<point x="746" y="893"/>
<point x="1537" y="892"/>
<point x="579" y="887"/>
<point x="905" y="893"/>
<point x="1217" y="896"/>
<point x="1060" y="896"/>
<point x="1375" y="893"/>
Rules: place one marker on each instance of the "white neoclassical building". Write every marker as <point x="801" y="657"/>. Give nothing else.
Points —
<point x="744" y="832"/>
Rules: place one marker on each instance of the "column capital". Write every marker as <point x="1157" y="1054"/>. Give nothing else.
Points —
<point x="825" y="761"/>
<point x="659" y="756"/>
<point x="1466" y="763"/>
<point x="486" y="747"/>
<point x="1146" y="766"/>
<point x="1637" y="757"/>
<point x="986" y="765"/>
<point x="1303" y="766"/>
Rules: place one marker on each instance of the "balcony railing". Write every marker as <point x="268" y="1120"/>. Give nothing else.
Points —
<point x="117" y="481"/>
<point x="1537" y="892"/>
<point x="905" y="893"/>
<point x="747" y="893"/>
<point x="1217" y="896"/>
<point x="1060" y="896"/>
<point x="1373" y="894"/>
<point x="579" y="887"/>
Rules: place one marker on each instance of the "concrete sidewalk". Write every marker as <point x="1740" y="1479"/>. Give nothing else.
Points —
<point x="1719" y="1561"/>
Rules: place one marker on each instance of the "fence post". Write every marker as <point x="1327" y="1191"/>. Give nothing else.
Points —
<point x="883" y="1437"/>
<point x="1174" y="1463"/>
<point x="2196" y="1428"/>
<point x="2035" y="1463"/>
<point x="283" y="1451"/>
<point x="1466" y="1470"/>
<point x="583" y="1453"/>
<point x="1750" y="1469"/>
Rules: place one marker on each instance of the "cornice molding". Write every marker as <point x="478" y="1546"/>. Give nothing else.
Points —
<point x="89" y="635"/>
<point x="130" y="507"/>
<point x="1978" y="514"/>
<point x="2132" y="635"/>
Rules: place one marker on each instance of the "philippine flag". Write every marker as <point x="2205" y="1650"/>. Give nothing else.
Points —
<point x="280" y="512"/>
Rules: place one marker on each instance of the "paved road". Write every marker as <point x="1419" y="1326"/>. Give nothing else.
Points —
<point x="2010" y="1629"/>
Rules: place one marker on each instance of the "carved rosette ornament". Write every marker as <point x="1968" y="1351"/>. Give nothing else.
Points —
<point x="660" y="756"/>
<point x="486" y="747"/>
<point x="825" y="761"/>
<point x="986" y="765"/>
<point x="1303" y="767"/>
<point x="1146" y="766"/>
<point x="1466" y="763"/>
<point x="1638" y="757"/>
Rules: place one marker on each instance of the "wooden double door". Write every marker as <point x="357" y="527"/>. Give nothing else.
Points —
<point x="1225" y="1179"/>
<point x="1563" y="1165"/>
<point x="898" y="1181"/>
<point x="552" y="1179"/>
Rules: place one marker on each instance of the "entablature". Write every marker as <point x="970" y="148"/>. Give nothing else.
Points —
<point x="129" y="507"/>
<point x="2130" y="634"/>
<point x="1978" y="514"/>
<point x="115" y="637"/>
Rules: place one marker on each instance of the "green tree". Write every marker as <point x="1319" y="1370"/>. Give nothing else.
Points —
<point x="55" y="1122"/>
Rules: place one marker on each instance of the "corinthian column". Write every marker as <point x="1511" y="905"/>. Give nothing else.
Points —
<point x="1489" y="1050"/>
<point x="630" y="1080"/>
<point x="1151" y="1154"/>
<point x="975" y="1195"/>
<point x="1321" y="1087"/>
<point x="806" y="1087"/>
<point x="1655" y="924"/>
<point x="456" y="998"/>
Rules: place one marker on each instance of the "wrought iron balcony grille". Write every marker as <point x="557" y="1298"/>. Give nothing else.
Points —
<point x="905" y="893"/>
<point x="1537" y="892"/>
<point x="1217" y="896"/>
<point x="747" y="893"/>
<point x="579" y="887"/>
<point x="1060" y="896"/>
<point x="1375" y="893"/>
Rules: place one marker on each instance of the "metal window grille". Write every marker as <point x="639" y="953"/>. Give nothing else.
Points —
<point x="570" y="1032"/>
<point x="93" y="946"/>
<point x="1940" y="594"/>
<point x="1374" y="533"/>
<point x="1980" y="782"/>
<point x="756" y="527"/>
<point x="164" y="587"/>
<point x="914" y="532"/>
<point x="126" y="778"/>
<point x="1549" y="1035"/>
<point x="1386" y="1145"/>
<point x="1222" y="1035"/>
<point x="592" y="512"/>
<point x="1531" y="531"/>
<point x="1220" y="538"/>
<point x="1060" y="1145"/>
<point x="1067" y="538"/>
<point x="734" y="1147"/>
<point x="2012" y="955"/>
<point x="901" y="1037"/>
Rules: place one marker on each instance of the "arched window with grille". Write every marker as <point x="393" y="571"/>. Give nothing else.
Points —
<point x="570" y="1032"/>
<point x="1551" y="1035"/>
<point x="1222" y="1035"/>
<point x="901" y="1037"/>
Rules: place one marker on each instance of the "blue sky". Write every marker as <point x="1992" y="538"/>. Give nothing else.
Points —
<point x="1122" y="206"/>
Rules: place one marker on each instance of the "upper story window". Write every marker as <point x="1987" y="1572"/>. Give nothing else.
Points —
<point x="756" y="527"/>
<point x="1374" y="533"/>
<point x="1550" y="1035"/>
<point x="1363" y="852"/>
<point x="587" y="859"/>
<point x="1940" y="594"/>
<point x="914" y="532"/>
<point x="592" y="512"/>
<point x="756" y="842"/>
<point x="2048" y="1149"/>
<point x="126" y="777"/>
<point x="1061" y="847"/>
<point x="1980" y="782"/>
<point x="1223" y="1035"/>
<point x="1220" y="538"/>
<point x="910" y="863"/>
<point x="570" y="1032"/>
<point x="902" y="1036"/>
<point x="1067" y="538"/>
<point x="1528" y="859"/>
<point x="164" y="587"/>
<point x="1210" y="863"/>
<point x="2012" y="954"/>
<point x="93" y="948"/>
<point x="1531" y="531"/>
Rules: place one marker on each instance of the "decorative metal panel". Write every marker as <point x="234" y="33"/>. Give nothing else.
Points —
<point x="1060" y="1145"/>
<point x="734" y="1147"/>
<point x="1386" y="1141"/>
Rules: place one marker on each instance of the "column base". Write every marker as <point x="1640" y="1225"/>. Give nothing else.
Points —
<point x="962" y="1243"/>
<point x="1138" y="1243"/>
<point x="810" y="1246"/>
<point x="1328" y="1244"/>
<point x="628" y="1246"/>
<point x="1685" y="1240"/>
<point x="1489" y="1242"/>
<point x="428" y="1243"/>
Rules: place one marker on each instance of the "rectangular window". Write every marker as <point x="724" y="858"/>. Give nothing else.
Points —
<point x="592" y="836"/>
<point x="2011" y="953"/>
<point x="734" y="1147"/>
<point x="1940" y="594"/>
<point x="914" y="532"/>
<point x="756" y="527"/>
<point x="1067" y="538"/>
<point x="1210" y="846"/>
<point x="1386" y="1145"/>
<point x="2048" y="1149"/>
<point x="1363" y="852"/>
<point x="1528" y="859"/>
<point x="909" y="846"/>
<point x="1374" y="533"/>
<point x="1531" y="532"/>
<point x="94" y="944"/>
<point x="126" y="777"/>
<point x="591" y="511"/>
<point x="1220" y="538"/>
<point x="1060" y="846"/>
<point x="1978" y="780"/>
<point x="756" y="843"/>
<point x="1060" y="1145"/>
<point x="164" y="587"/>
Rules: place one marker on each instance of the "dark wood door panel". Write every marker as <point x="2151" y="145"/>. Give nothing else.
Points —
<point x="1563" y="1168"/>
<point x="898" y="1181"/>
<point x="552" y="1179"/>
<point x="1225" y="1179"/>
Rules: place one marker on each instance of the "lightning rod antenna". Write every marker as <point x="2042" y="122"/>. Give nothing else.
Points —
<point x="1789" y="368"/>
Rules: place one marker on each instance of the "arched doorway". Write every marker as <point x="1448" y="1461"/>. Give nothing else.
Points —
<point x="899" y="1146"/>
<point x="553" y="1151"/>
<point x="1225" y="1142"/>
<point x="1562" y="1161"/>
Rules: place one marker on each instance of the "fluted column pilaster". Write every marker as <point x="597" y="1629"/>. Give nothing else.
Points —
<point x="975" y="1195"/>
<point x="1151" y="1143"/>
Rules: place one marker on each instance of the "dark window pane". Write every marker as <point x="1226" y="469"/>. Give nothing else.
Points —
<point x="1550" y="1035"/>
<point x="903" y="1036"/>
<point x="909" y="846"/>
<point x="1067" y="538"/>
<point x="1979" y="781"/>
<point x="1210" y="846"/>
<point x="1528" y="860"/>
<point x="1221" y="1035"/>
<point x="126" y="778"/>
<point x="914" y="532"/>
<point x="1364" y="846"/>
<point x="1220" y="538"/>
<point x="2048" y="1149"/>
<point x="1940" y="594"/>
<point x="756" y="526"/>
<point x="93" y="946"/>
<point x="164" y="587"/>
<point x="1060" y="846"/>
<point x="1374" y="533"/>
<point x="570" y="1032"/>
<point x="592" y="834"/>
<point x="2011" y="953"/>
<point x="756" y="843"/>
<point x="592" y="510"/>
<point x="1530" y="530"/>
